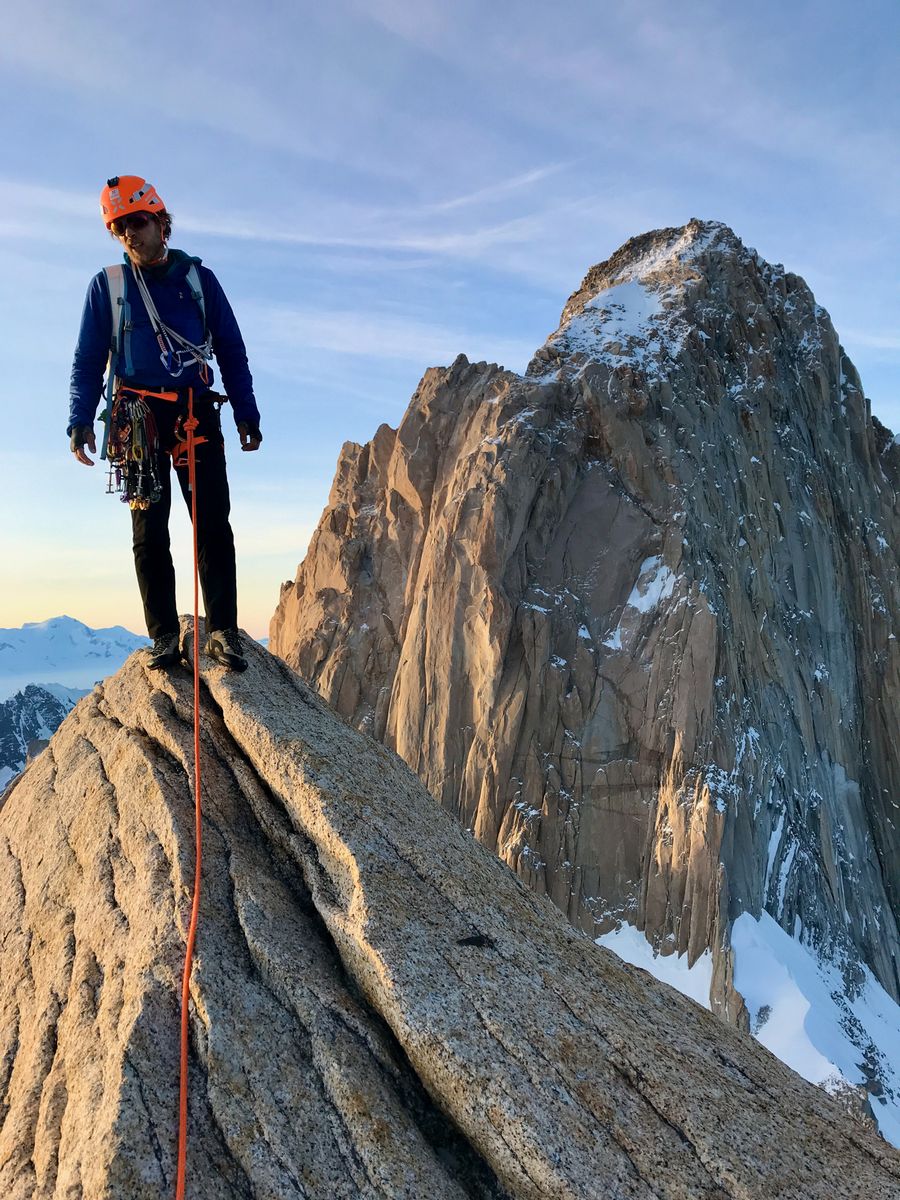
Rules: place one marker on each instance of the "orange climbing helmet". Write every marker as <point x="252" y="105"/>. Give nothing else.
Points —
<point x="125" y="194"/>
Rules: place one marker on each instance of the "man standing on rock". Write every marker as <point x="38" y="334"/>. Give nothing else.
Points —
<point x="165" y="315"/>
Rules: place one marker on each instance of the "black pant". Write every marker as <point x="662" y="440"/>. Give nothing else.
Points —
<point x="215" y="541"/>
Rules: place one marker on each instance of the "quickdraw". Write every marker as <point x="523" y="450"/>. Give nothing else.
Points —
<point x="132" y="451"/>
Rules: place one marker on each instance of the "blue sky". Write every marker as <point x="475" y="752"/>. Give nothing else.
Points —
<point x="383" y="184"/>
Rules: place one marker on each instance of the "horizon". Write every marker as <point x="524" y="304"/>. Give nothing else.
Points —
<point x="385" y="185"/>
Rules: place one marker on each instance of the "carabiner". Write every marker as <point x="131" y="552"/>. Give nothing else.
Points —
<point x="167" y="358"/>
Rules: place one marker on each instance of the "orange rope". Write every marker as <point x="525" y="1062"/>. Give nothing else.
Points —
<point x="190" y="425"/>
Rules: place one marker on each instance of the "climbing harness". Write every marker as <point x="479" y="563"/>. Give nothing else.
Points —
<point x="133" y="444"/>
<point x="190" y="426"/>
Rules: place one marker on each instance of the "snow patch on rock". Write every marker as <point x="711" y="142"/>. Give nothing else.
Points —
<point x="799" y="1009"/>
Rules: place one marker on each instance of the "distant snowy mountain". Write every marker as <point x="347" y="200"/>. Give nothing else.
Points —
<point x="30" y="715"/>
<point x="61" y="651"/>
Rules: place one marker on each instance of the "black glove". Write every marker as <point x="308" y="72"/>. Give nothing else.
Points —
<point x="249" y="434"/>
<point x="81" y="435"/>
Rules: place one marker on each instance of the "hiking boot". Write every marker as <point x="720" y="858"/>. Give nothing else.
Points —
<point x="224" y="646"/>
<point x="166" y="651"/>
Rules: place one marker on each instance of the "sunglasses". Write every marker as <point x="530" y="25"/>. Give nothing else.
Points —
<point x="132" y="221"/>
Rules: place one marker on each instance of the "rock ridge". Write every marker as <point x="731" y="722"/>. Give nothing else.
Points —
<point x="379" y="1007"/>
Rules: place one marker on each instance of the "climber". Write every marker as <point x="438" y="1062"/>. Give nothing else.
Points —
<point x="164" y="315"/>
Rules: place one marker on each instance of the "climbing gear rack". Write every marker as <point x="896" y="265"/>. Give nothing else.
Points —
<point x="132" y="451"/>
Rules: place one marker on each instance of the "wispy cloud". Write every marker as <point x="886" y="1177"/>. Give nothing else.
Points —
<point x="679" y="78"/>
<point x="26" y="204"/>
<point x="872" y="340"/>
<point x="86" y="46"/>
<point x="430" y="25"/>
<point x="690" y="76"/>
<point x="501" y="190"/>
<point x="363" y="333"/>
<point x="422" y="229"/>
<point x="255" y="79"/>
<point x="453" y="243"/>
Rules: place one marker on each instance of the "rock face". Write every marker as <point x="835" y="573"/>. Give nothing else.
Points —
<point x="631" y="616"/>
<point x="379" y="1007"/>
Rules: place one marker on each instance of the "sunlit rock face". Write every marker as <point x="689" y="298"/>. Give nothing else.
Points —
<point x="632" y="616"/>
<point x="379" y="1007"/>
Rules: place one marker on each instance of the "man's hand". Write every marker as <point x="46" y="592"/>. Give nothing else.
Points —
<point x="83" y="435"/>
<point x="249" y="435"/>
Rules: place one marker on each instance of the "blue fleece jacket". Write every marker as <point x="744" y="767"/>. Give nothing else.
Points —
<point x="177" y="308"/>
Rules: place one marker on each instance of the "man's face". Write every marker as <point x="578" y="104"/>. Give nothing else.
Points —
<point x="141" y="236"/>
